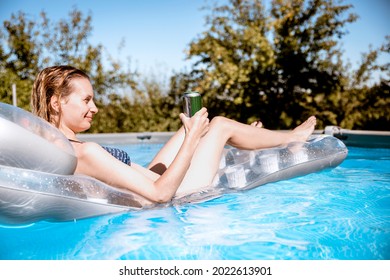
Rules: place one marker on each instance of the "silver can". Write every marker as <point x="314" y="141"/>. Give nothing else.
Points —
<point x="192" y="103"/>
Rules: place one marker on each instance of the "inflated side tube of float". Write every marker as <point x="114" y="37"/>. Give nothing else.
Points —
<point x="243" y="170"/>
<point x="37" y="164"/>
<point x="27" y="141"/>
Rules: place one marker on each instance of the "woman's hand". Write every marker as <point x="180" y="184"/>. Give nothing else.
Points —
<point x="198" y="125"/>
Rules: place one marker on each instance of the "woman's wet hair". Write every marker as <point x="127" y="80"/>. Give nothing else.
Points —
<point x="53" y="81"/>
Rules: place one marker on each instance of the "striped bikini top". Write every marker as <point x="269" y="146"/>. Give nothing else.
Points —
<point x="115" y="152"/>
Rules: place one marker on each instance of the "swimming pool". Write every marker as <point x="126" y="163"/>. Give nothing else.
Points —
<point x="342" y="213"/>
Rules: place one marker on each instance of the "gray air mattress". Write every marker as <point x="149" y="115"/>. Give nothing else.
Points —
<point x="37" y="181"/>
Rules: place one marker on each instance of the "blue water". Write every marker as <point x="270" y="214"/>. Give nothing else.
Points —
<point x="342" y="213"/>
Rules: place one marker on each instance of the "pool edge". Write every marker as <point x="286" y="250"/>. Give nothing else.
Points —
<point x="351" y="138"/>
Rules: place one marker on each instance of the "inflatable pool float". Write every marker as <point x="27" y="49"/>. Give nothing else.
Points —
<point x="37" y="180"/>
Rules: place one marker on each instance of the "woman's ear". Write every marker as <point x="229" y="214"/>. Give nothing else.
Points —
<point x="55" y="104"/>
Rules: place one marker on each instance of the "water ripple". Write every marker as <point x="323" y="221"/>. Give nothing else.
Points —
<point x="342" y="213"/>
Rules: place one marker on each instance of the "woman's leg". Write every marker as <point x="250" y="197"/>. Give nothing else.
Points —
<point x="251" y="137"/>
<point x="224" y="131"/>
<point x="167" y="153"/>
<point x="165" y="156"/>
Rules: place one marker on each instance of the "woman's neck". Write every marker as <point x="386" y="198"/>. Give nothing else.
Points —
<point x="70" y="134"/>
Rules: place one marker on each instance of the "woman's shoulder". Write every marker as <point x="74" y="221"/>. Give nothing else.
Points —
<point x="87" y="149"/>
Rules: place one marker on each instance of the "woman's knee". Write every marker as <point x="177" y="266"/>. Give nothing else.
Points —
<point x="221" y="125"/>
<point x="219" y="120"/>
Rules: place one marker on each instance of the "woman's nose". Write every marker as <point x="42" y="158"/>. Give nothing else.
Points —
<point x="93" y="108"/>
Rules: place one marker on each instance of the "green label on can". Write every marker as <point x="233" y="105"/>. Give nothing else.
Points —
<point x="192" y="103"/>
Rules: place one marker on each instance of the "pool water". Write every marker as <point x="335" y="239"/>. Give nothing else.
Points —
<point x="341" y="213"/>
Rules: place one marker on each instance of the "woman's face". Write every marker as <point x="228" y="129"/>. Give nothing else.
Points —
<point x="78" y="109"/>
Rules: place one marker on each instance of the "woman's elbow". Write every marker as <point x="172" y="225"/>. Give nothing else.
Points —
<point x="162" y="197"/>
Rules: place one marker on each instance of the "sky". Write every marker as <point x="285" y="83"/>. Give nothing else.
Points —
<point x="157" y="32"/>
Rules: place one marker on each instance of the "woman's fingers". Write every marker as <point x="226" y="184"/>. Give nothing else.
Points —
<point x="197" y="124"/>
<point x="203" y="121"/>
<point x="182" y="117"/>
<point x="202" y="111"/>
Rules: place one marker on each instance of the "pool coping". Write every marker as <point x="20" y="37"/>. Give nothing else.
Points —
<point x="353" y="138"/>
<point x="360" y="138"/>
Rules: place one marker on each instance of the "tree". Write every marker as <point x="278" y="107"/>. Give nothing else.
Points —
<point x="280" y="66"/>
<point x="368" y="106"/>
<point x="19" y="54"/>
<point x="28" y="46"/>
<point x="308" y="58"/>
<point x="234" y="59"/>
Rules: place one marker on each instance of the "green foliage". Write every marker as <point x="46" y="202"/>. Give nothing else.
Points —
<point x="30" y="46"/>
<point x="18" y="58"/>
<point x="279" y="65"/>
<point x="234" y="58"/>
<point x="308" y="58"/>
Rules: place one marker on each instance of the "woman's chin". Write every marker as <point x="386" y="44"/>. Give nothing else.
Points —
<point x="84" y="127"/>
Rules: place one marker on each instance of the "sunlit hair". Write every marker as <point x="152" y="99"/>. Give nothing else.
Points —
<point x="53" y="81"/>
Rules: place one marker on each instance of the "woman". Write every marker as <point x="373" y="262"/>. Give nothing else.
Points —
<point x="63" y="96"/>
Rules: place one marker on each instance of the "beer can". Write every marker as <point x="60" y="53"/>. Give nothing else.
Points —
<point x="192" y="103"/>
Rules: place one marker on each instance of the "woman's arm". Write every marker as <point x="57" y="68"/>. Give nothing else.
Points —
<point x="94" y="161"/>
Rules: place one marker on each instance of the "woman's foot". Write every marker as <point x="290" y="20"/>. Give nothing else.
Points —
<point x="258" y="124"/>
<point x="303" y="131"/>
